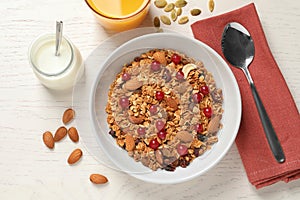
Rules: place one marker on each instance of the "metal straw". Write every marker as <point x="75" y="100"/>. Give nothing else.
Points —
<point x="59" y="27"/>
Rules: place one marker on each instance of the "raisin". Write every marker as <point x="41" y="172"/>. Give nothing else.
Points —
<point x="137" y="141"/>
<point x="183" y="163"/>
<point x="112" y="133"/>
<point x="137" y="59"/>
<point x="201" y="137"/>
<point x="196" y="152"/>
<point x="170" y="168"/>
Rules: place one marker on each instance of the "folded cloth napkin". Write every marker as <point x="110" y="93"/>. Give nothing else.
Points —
<point x="261" y="167"/>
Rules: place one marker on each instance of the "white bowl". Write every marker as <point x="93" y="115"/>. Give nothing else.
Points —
<point x="192" y="48"/>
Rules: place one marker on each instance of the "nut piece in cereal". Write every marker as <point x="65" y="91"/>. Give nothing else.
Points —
<point x="129" y="141"/>
<point x="160" y="57"/>
<point x="172" y="103"/>
<point x="133" y="84"/>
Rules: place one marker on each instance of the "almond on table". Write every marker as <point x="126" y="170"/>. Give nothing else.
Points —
<point x="75" y="156"/>
<point x="68" y="116"/>
<point x="48" y="139"/>
<point x="98" y="179"/>
<point x="60" y="133"/>
<point x="73" y="134"/>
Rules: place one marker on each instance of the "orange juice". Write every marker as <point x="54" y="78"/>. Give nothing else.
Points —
<point x="119" y="14"/>
<point x="117" y="8"/>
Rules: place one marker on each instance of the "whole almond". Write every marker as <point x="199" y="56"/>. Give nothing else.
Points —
<point x="172" y="103"/>
<point x="68" y="116"/>
<point x="98" y="179"/>
<point x="133" y="84"/>
<point x="73" y="134"/>
<point x="48" y="139"/>
<point x="136" y="120"/>
<point x="129" y="141"/>
<point x="213" y="125"/>
<point x="74" y="156"/>
<point x="60" y="133"/>
<point x="159" y="157"/>
<point x="185" y="136"/>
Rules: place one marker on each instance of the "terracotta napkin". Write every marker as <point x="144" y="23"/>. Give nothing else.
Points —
<point x="261" y="167"/>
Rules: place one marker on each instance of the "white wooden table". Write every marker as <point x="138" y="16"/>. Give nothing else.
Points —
<point x="28" y="170"/>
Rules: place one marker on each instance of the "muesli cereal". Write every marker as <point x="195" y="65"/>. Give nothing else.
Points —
<point x="164" y="109"/>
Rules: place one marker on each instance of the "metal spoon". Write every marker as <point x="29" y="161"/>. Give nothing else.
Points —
<point x="238" y="49"/>
<point x="59" y="27"/>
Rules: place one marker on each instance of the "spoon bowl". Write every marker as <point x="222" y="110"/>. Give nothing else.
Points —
<point x="239" y="53"/>
<point x="238" y="49"/>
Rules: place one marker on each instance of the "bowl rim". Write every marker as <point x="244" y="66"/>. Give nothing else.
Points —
<point x="137" y="12"/>
<point x="238" y="106"/>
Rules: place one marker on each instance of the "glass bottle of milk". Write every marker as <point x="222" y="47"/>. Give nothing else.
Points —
<point x="56" y="72"/>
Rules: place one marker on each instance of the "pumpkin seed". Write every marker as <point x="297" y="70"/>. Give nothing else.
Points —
<point x="165" y="19"/>
<point x="173" y="15"/>
<point x="179" y="11"/>
<point x="160" y="3"/>
<point x="211" y="5"/>
<point x="156" y="22"/>
<point x="183" y="20"/>
<point x="169" y="7"/>
<point x="180" y="3"/>
<point x="195" y="12"/>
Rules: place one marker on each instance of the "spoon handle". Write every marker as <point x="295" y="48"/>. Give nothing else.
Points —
<point x="59" y="27"/>
<point x="267" y="125"/>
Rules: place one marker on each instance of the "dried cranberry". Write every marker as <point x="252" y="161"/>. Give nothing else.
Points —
<point x="162" y="134"/>
<point x="155" y="66"/>
<point x="126" y="76"/>
<point x="197" y="97"/>
<point x="176" y="58"/>
<point x="141" y="131"/>
<point x="207" y="112"/>
<point x="153" y="109"/>
<point x="124" y="102"/>
<point x="159" y="95"/>
<point x="160" y="125"/>
<point x="182" y="149"/>
<point x="180" y="75"/>
<point x="154" y="144"/>
<point x="199" y="128"/>
<point x="204" y="89"/>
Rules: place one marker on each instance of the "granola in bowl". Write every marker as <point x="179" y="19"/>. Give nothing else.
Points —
<point x="164" y="109"/>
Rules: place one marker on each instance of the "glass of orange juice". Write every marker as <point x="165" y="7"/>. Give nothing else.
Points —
<point x="119" y="15"/>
